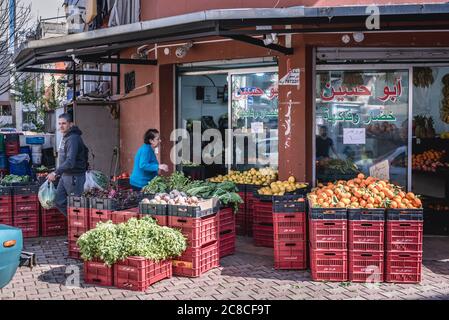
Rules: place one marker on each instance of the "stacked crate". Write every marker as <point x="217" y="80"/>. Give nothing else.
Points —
<point x="366" y="245"/>
<point x="158" y="212"/>
<point x="78" y="223"/>
<point x="240" y="216"/>
<point x="101" y="211"/>
<point x="123" y="216"/>
<point x="26" y="210"/>
<point x="289" y="220"/>
<point x="53" y="223"/>
<point x="6" y="206"/>
<point x="227" y="232"/>
<point x="202" y="230"/>
<point x="12" y="144"/>
<point x="404" y="245"/>
<point x="328" y="244"/>
<point x="263" y="229"/>
<point x="251" y="200"/>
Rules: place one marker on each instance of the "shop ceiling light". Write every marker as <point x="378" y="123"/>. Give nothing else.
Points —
<point x="346" y="39"/>
<point x="358" y="36"/>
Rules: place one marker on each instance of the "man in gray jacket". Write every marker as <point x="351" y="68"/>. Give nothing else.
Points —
<point x="72" y="156"/>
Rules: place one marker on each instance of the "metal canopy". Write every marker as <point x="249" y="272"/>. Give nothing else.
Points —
<point x="103" y="43"/>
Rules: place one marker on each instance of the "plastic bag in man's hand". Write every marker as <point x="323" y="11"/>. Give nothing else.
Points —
<point x="47" y="195"/>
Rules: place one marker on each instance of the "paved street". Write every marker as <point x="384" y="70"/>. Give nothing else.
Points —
<point x="245" y="275"/>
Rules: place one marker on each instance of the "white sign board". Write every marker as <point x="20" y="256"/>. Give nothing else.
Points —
<point x="256" y="127"/>
<point x="354" y="136"/>
<point x="380" y="170"/>
<point x="291" y="78"/>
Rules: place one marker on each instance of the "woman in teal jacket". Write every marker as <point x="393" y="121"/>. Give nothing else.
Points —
<point x="146" y="165"/>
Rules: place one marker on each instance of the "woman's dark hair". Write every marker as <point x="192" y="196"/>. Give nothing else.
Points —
<point x="150" y="135"/>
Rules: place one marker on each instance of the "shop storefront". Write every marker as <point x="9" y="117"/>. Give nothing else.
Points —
<point x="387" y="120"/>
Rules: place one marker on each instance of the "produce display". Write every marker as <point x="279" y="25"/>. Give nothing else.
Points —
<point x="225" y="192"/>
<point x="279" y="188"/>
<point x="362" y="192"/>
<point x="124" y="198"/>
<point x="337" y="166"/>
<point x="42" y="169"/>
<point x="186" y="163"/>
<point x="444" y="111"/>
<point x="173" y="198"/>
<point x="429" y="161"/>
<point x="11" y="179"/>
<point x="423" y="127"/>
<point x="137" y="237"/>
<point x="423" y="77"/>
<point x="157" y="185"/>
<point x="261" y="177"/>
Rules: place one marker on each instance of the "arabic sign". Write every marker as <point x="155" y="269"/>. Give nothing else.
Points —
<point x="355" y="118"/>
<point x="291" y="78"/>
<point x="258" y="114"/>
<point x="354" y="136"/>
<point x="380" y="170"/>
<point x="248" y="92"/>
<point x="330" y="93"/>
<point x="273" y="92"/>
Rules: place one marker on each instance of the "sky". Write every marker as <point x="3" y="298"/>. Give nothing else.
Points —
<point x="45" y="8"/>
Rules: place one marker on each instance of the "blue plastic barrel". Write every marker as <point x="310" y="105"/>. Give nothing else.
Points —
<point x="26" y="150"/>
<point x="20" y="166"/>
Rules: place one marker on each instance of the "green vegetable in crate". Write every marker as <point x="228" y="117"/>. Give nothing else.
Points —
<point x="178" y="181"/>
<point x="157" y="185"/>
<point x="11" y="179"/>
<point x="143" y="237"/>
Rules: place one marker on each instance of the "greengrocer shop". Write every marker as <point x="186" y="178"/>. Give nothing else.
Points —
<point x="332" y="97"/>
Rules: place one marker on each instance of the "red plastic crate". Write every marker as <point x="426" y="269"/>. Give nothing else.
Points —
<point x="263" y="235"/>
<point x="74" y="233"/>
<point x="26" y="217"/>
<point x="262" y="212"/>
<point x="227" y="243"/>
<point x="366" y="235"/>
<point x="290" y="227"/>
<point x="366" y="266"/>
<point x="78" y="218"/>
<point x="5" y="205"/>
<point x="5" y="220"/>
<point x="329" y="265"/>
<point x="53" y="223"/>
<point x="25" y="198"/>
<point x="29" y="204"/>
<point x="124" y="215"/>
<point x="12" y="148"/>
<point x="96" y="272"/>
<point x="137" y="273"/>
<point x="96" y="216"/>
<point x="290" y="255"/>
<point x="29" y="229"/>
<point x="240" y="223"/>
<point x="227" y="219"/>
<point x="195" y="262"/>
<point x="404" y="236"/>
<point x="74" y="250"/>
<point x="328" y="234"/>
<point x="403" y="267"/>
<point x="198" y="231"/>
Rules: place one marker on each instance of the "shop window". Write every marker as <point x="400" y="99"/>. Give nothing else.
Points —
<point x="130" y="81"/>
<point x="430" y="163"/>
<point x="362" y="124"/>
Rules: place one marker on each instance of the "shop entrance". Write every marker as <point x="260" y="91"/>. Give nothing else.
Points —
<point x="240" y="105"/>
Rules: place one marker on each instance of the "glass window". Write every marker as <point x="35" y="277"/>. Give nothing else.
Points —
<point x="255" y="120"/>
<point x="362" y="124"/>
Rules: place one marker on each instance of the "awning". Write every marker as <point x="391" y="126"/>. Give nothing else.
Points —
<point x="105" y="43"/>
